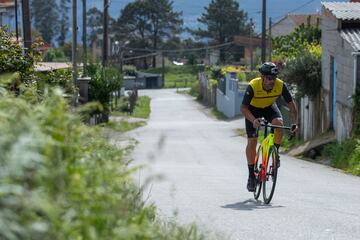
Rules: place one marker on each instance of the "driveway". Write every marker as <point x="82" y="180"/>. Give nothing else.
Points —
<point x="196" y="171"/>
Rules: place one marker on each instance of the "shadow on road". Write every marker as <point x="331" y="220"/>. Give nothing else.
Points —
<point x="250" y="205"/>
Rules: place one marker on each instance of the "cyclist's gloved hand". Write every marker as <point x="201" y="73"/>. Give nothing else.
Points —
<point x="257" y="123"/>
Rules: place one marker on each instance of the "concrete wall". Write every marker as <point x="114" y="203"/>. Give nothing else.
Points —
<point x="229" y="103"/>
<point x="334" y="45"/>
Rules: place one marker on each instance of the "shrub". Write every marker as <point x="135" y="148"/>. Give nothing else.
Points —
<point x="55" y="55"/>
<point x="354" y="162"/>
<point x="305" y="72"/>
<point x="104" y="81"/>
<point x="241" y="76"/>
<point x="61" y="180"/>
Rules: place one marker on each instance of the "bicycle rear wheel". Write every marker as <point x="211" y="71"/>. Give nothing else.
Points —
<point x="269" y="181"/>
<point x="257" y="172"/>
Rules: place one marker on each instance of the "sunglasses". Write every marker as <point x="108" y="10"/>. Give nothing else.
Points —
<point x="270" y="77"/>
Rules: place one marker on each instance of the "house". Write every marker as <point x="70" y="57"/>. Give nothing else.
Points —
<point x="340" y="63"/>
<point x="250" y="43"/>
<point x="7" y="14"/>
<point x="287" y="24"/>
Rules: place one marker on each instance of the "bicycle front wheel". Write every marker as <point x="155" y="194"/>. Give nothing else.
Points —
<point x="257" y="172"/>
<point x="269" y="181"/>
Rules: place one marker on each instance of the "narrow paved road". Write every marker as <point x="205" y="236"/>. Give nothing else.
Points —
<point x="204" y="173"/>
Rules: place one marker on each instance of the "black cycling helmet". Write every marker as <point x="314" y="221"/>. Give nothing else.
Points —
<point x="269" y="68"/>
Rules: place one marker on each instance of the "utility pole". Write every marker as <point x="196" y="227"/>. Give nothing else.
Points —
<point x="74" y="41"/>
<point x="26" y="25"/>
<point x="270" y="43"/>
<point x="84" y="37"/>
<point x="106" y="32"/>
<point x="252" y="45"/>
<point x="16" y="21"/>
<point x="263" y="33"/>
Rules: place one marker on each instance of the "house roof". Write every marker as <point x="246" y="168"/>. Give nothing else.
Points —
<point x="6" y="3"/>
<point x="344" y="10"/>
<point x="299" y="19"/>
<point x="352" y="36"/>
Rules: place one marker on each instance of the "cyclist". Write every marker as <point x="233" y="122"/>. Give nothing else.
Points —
<point x="259" y="102"/>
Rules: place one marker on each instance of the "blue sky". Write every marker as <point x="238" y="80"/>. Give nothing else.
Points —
<point x="192" y="9"/>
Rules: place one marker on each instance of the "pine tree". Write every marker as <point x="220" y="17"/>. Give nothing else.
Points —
<point x="223" y="20"/>
<point x="64" y="21"/>
<point x="149" y="23"/>
<point x="45" y="15"/>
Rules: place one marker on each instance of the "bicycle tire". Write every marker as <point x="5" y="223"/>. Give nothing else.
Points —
<point x="257" y="172"/>
<point x="269" y="182"/>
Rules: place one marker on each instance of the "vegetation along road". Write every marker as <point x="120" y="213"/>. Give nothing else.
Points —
<point x="203" y="172"/>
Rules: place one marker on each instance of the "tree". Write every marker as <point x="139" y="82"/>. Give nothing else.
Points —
<point x="149" y="22"/>
<point x="305" y="72"/>
<point x="291" y="45"/>
<point x="45" y="14"/>
<point x="95" y="22"/>
<point x="223" y="20"/>
<point x="64" y="21"/>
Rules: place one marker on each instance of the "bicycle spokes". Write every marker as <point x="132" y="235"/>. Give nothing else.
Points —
<point x="269" y="182"/>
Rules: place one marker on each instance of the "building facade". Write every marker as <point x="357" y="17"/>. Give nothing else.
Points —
<point x="340" y="25"/>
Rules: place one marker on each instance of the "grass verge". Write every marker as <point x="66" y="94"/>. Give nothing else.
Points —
<point x="142" y="109"/>
<point x="124" y="126"/>
<point x="178" y="76"/>
<point x="217" y="114"/>
<point x="345" y="155"/>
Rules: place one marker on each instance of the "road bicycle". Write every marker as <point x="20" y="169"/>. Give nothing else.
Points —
<point x="266" y="170"/>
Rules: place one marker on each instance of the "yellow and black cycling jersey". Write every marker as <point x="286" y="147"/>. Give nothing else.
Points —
<point x="256" y="96"/>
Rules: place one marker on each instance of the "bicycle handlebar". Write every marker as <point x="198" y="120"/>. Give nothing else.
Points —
<point x="265" y="124"/>
<point x="274" y="126"/>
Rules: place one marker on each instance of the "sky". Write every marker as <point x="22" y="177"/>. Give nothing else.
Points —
<point x="192" y="9"/>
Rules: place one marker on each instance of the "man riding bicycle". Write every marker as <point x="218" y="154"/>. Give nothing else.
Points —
<point x="260" y="102"/>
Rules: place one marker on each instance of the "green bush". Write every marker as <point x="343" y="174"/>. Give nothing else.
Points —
<point x="241" y="76"/>
<point x="305" y="72"/>
<point x="104" y="81"/>
<point x="251" y="75"/>
<point x="354" y="161"/>
<point x="339" y="153"/>
<point x="55" y="55"/>
<point x="60" y="179"/>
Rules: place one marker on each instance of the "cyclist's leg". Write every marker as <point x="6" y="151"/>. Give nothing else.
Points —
<point x="251" y="151"/>
<point x="273" y="115"/>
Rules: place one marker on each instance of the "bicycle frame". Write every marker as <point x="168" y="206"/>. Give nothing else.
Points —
<point x="266" y="145"/>
<point x="263" y="171"/>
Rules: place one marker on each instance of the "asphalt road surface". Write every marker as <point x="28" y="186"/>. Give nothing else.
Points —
<point x="198" y="173"/>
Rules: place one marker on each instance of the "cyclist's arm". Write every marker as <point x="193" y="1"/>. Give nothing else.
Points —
<point x="249" y="94"/>
<point x="291" y="105"/>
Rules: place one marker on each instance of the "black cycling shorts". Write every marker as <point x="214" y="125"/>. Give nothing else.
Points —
<point x="269" y="113"/>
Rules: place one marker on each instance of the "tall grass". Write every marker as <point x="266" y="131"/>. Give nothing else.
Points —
<point x="59" y="179"/>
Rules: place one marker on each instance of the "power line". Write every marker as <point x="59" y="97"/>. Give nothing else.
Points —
<point x="295" y="9"/>
<point x="182" y="50"/>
